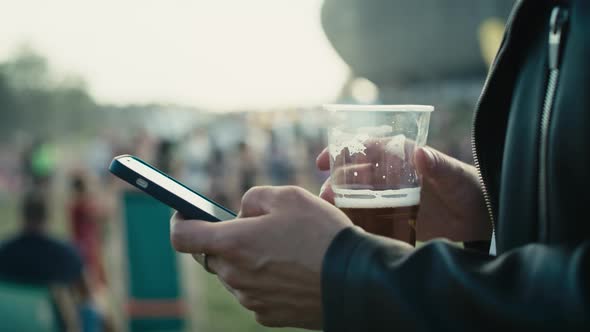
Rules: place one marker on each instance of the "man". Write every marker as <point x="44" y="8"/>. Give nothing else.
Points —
<point x="33" y="257"/>
<point x="296" y="260"/>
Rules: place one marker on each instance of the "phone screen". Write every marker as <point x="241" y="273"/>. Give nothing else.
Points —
<point x="174" y="187"/>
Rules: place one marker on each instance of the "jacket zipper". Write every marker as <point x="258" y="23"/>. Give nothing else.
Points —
<point x="559" y="18"/>
<point x="485" y="192"/>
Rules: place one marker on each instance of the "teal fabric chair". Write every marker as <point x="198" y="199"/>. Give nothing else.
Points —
<point x="154" y="295"/>
<point x="26" y="308"/>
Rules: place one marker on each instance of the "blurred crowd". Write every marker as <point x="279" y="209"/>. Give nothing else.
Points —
<point x="65" y="185"/>
<point x="233" y="152"/>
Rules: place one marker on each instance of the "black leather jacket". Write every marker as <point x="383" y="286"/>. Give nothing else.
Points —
<point x="532" y="144"/>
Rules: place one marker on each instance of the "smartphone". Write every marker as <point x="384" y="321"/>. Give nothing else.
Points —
<point x="190" y="204"/>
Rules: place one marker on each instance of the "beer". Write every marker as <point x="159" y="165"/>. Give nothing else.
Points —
<point x="390" y="213"/>
<point x="397" y="223"/>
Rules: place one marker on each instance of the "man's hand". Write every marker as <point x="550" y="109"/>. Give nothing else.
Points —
<point x="451" y="204"/>
<point x="269" y="257"/>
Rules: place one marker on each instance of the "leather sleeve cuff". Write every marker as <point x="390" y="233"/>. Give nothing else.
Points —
<point x="346" y="278"/>
<point x="338" y="298"/>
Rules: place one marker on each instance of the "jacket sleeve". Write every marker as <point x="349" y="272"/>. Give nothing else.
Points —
<point x="371" y="284"/>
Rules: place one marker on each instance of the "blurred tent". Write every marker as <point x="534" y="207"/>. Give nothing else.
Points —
<point x="419" y="52"/>
<point x="394" y="42"/>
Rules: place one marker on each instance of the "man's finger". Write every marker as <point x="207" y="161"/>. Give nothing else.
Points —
<point x="198" y="236"/>
<point x="437" y="166"/>
<point x="375" y="148"/>
<point x="193" y="236"/>
<point x="323" y="160"/>
<point x="356" y="173"/>
<point x="257" y="201"/>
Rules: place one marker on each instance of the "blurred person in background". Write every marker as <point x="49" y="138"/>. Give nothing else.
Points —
<point x="164" y="158"/>
<point x="39" y="162"/>
<point x="100" y="153"/>
<point x="279" y="166"/>
<point x="196" y="152"/>
<point x="248" y="170"/>
<point x="27" y="161"/>
<point x="34" y="257"/>
<point x="145" y="145"/>
<point x="296" y="260"/>
<point x="217" y="173"/>
<point x="86" y="221"/>
<point x="303" y="160"/>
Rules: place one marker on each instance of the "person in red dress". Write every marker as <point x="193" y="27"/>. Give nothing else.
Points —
<point x="85" y="219"/>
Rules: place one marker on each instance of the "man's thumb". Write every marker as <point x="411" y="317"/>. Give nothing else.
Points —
<point x="435" y="165"/>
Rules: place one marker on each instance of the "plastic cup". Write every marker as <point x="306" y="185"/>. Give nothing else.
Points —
<point x="372" y="169"/>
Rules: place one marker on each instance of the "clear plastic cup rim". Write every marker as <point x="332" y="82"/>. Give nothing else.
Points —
<point x="379" y="108"/>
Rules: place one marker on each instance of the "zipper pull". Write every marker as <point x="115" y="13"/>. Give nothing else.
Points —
<point x="558" y="19"/>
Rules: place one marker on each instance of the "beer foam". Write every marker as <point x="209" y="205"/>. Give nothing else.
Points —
<point x="341" y="141"/>
<point x="361" y="199"/>
<point x="355" y="143"/>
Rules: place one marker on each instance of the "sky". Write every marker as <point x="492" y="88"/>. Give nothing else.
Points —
<point x="215" y="54"/>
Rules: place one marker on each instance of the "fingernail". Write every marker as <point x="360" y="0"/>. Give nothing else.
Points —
<point x="429" y="157"/>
